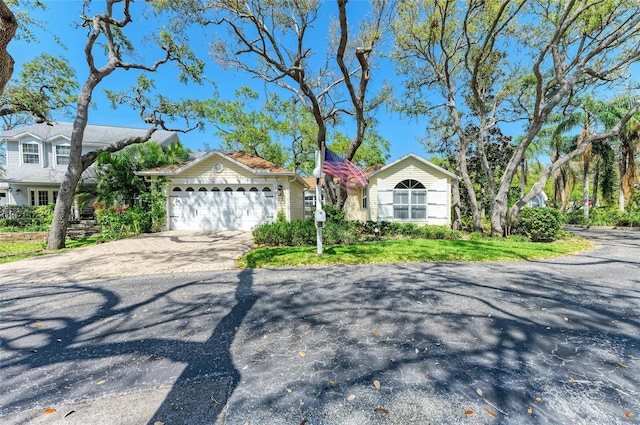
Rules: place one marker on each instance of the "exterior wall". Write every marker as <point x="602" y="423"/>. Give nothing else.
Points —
<point x="204" y="171"/>
<point x="353" y="207"/>
<point x="437" y="184"/>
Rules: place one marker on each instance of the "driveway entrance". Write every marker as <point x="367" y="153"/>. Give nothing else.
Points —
<point x="149" y="254"/>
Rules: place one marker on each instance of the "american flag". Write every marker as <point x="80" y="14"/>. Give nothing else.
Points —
<point x="349" y="174"/>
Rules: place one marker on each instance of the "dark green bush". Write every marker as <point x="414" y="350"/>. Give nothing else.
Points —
<point x="540" y="224"/>
<point x="26" y="217"/>
<point x="282" y="233"/>
<point x="606" y="217"/>
<point x="337" y="232"/>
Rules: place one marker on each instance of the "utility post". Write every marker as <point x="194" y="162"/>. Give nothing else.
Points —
<point x="320" y="216"/>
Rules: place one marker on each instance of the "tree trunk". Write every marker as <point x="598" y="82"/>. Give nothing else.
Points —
<point x="468" y="184"/>
<point x="66" y="194"/>
<point x="455" y="192"/>
<point x="585" y="194"/>
<point x="8" y="27"/>
<point x="596" y="182"/>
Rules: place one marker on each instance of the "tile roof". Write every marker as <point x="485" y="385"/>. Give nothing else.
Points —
<point x="256" y="162"/>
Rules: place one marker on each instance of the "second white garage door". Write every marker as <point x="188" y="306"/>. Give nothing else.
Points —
<point x="221" y="208"/>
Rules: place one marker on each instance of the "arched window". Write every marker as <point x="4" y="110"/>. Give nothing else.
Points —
<point x="215" y="189"/>
<point x="266" y="189"/>
<point x="190" y="189"/>
<point x="228" y="189"/>
<point x="410" y="200"/>
<point x="253" y="189"/>
<point x="202" y="189"/>
<point x="242" y="189"/>
<point x="177" y="189"/>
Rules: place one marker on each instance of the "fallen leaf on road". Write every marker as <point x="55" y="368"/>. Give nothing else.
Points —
<point x="351" y="397"/>
<point x="530" y="410"/>
<point x="622" y="365"/>
<point x="100" y="382"/>
<point x="376" y="384"/>
<point x="489" y="411"/>
<point x="49" y="411"/>
<point x="376" y="333"/>
<point x="69" y="413"/>
<point x="538" y="399"/>
<point x="289" y="390"/>
<point x="303" y="422"/>
<point x="381" y="410"/>
<point x="245" y="367"/>
<point x="479" y="391"/>
<point x="332" y="383"/>
<point x="468" y="412"/>
<point x="628" y="414"/>
<point x="301" y="353"/>
<point x="572" y="379"/>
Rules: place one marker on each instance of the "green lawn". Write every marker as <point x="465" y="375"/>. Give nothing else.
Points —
<point x="13" y="251"/>
<point x="413" y="250"/>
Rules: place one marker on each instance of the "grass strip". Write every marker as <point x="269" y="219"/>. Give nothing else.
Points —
<point x="413" y="250"/>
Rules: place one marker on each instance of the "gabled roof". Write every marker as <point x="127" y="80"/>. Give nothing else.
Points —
<point x="414" y="156"/>
<point x="247" y="161"/>
<point x="93" y="134"/>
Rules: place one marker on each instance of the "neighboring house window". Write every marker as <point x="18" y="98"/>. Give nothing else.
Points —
<point x="62" y="154"/>
<point x="30" y="153"/>
<point x="410" y="201"/>
<point x="39" y="197"/>
<point x="364" y="202"/>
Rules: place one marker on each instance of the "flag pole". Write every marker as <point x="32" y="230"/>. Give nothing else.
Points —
<point x="317" y="173"/>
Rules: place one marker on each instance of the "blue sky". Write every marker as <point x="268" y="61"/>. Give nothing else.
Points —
<point x="401" y="132"/>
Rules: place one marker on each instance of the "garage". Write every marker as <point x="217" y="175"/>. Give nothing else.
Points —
<point x="236" y="191"/>
<point x="221" y="208"/>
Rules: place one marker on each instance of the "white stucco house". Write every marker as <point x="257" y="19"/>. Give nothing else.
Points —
<point x="235" y="191"/>
<point x="409" y="190"/>
<point x="37" y="157"/>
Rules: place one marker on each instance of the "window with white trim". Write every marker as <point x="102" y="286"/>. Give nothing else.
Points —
<point x="62" y="154"/>
<point x="41" y="197"/>
<point x="30" y="153"/>
<point x="410" y="200"/>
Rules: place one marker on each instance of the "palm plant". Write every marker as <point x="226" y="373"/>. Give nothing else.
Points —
<point x="117" y="182"/>
<point x="627" y="144"/>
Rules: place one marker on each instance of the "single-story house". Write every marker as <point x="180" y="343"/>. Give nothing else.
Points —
<point x="235" y="191"/>
<point x="36" y="158"/>
<point x="409" y="190"/>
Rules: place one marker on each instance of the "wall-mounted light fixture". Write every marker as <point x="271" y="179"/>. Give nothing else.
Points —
<point x="18" y="190"/>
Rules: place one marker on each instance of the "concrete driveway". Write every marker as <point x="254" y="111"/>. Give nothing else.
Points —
<point x="171" y="252"/>
<point x="543" y="342"/>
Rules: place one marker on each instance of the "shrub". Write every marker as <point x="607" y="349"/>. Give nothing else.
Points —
<point x="540" y="224"/>
<point x="26" y="217"/>
<point x="282" y="233"/>
<point x="338" y="234"/>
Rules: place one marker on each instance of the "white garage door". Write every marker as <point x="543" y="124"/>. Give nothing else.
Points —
<point x="221" y="208"/>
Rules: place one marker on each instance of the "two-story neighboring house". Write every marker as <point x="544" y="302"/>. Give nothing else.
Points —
<point x="36" y="158"/>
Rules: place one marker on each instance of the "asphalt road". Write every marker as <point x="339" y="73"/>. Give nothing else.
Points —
<point x="546" y="342"/>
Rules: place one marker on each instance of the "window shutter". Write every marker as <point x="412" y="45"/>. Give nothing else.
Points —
<point x="438" y="200"/>
<point x="385" y="201"/>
